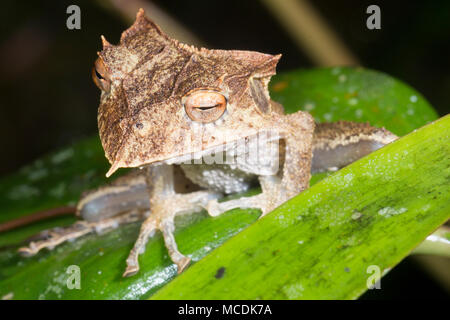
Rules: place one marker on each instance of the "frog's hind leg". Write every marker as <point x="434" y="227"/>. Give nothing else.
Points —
<point x="52" y="238"/>
<point x="123" y="201"/>
<point x="165" y="205"/>
<point x="338" y="144"/>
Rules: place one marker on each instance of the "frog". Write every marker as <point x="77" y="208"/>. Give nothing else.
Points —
<point x="196" y="125"/>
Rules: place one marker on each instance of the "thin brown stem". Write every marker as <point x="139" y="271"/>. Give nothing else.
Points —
<point x="311" y="32"/>
<point x="37" y="216"/>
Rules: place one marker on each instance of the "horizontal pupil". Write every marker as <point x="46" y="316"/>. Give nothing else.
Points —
<point x="207" y="107"/>
<point x="98" y="74"/>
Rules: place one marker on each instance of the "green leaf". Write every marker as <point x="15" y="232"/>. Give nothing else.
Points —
<point x="59" y="179"/>
<point x="324" y="243"/>
<point x="361" y="95"/>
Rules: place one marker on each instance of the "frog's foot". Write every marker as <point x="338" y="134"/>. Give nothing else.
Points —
<point x="261" y="201"/>
<point x="161" y="218"/>
<point x="216" y="208"/>
<point x="52" y="238"/>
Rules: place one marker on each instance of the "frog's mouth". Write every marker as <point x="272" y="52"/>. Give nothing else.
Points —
<point x="251" y="146"/>
<point x="256" y="151"/>
<point x="257" y="154"/>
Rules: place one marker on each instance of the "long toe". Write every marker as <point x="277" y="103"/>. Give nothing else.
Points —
<point x="182" y="264"/>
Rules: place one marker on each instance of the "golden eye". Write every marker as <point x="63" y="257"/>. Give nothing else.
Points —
<point x="204" y="105"/>
<point x="100" y="76"/>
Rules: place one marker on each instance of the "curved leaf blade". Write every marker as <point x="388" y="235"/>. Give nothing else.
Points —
<point x="321" y="244"/>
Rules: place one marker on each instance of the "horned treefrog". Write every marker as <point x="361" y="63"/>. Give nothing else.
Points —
<point x="199" y="124"/>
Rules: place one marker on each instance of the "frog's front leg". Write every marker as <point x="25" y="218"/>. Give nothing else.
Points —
<point x="334" y="145"/>
<point x="165" y="204"/>
<point x="297" y="132"/>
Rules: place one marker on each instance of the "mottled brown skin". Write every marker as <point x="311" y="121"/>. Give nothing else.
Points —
<point x="141" y="119"/>
<point x="158" y="94"/>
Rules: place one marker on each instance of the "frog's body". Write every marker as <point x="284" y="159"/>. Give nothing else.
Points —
<point x="200" y="124"/>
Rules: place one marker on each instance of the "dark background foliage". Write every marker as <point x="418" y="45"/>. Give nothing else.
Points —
<point x="48" y="99"/>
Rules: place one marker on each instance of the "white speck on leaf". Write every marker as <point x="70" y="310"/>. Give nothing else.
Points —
<point x="342" y="78"/>
<point x="389" y="211"/>
<point x="62" y="156"/>
<point x="8" y="296"/>
<point x="413" y="99"/>
<point x="353" y="101"/>
<point x="356" y="215"/>
<point x="38" y="174"/>
<point x="348" y="177"/>
<point x="328" y="116"/>
<point x="58" y="191"/>
<point x="335" y="71"/>
<point x="293" y="291"/>
<point x="23" y="191"/>
<point x="309" y="106"/>
<point x="56" y="286"/>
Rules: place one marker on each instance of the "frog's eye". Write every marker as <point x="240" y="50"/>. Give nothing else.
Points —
<point x="100" y="76"/>
<point x="204" y="105"/>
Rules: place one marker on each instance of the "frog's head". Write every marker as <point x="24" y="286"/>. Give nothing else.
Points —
<point x="162" y="100"/>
